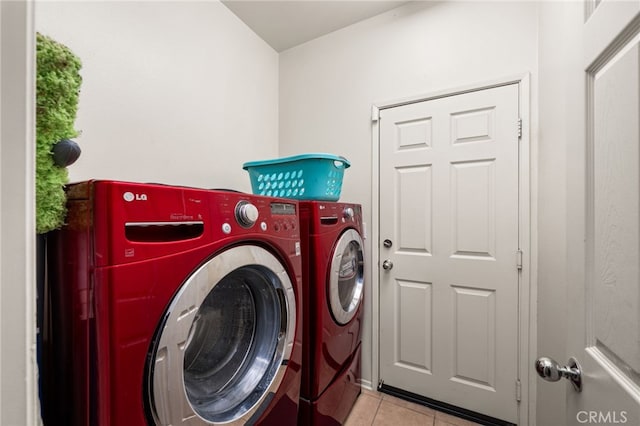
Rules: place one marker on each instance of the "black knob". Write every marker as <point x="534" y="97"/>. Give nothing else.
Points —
<point x="65" y="152"/>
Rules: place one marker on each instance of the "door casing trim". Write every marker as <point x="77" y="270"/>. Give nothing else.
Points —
<point x="527" y="329"/>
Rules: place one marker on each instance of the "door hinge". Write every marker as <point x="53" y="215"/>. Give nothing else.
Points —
<point x="519" y="260"/>
<point x="518" y="390"/>
<point x="519" y="128"/>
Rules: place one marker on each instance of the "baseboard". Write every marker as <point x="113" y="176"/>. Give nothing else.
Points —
<point x="366" y="384"/>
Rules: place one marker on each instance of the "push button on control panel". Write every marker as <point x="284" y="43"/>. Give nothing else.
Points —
<point x="285" y="225"/>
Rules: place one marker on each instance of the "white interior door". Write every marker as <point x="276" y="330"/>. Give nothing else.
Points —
<point x="448" y="272"/>
<point x="604" y="222"/>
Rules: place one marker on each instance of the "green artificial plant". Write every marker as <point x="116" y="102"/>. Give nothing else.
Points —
<point x="57" y="91"/>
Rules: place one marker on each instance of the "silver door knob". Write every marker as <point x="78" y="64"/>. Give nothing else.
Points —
<point x="387" y="265"/>
<point x="551" y="371"/>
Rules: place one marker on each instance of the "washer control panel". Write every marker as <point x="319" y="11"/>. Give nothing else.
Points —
<point x="238" y="214"/>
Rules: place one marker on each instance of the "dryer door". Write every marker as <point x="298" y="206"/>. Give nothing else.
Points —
<point x="346" y="280"/>
<point x="224" y="346"/>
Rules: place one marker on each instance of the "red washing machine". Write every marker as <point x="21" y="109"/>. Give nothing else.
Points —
<point x="333" y="282"/>
<point x="173" y="305"/>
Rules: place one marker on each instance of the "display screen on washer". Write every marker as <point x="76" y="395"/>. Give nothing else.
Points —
<point x="230" y="328"/>
<point x="283" y="208"/>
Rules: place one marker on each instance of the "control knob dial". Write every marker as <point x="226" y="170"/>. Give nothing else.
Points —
<point x="348" y="213"/>
<point x="246" y="214"/>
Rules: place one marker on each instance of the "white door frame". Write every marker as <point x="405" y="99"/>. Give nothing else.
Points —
<point x="19" y="403"/>
<point x="527" y="282"/>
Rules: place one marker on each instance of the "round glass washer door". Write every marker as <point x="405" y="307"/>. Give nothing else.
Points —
<point x="346" y="277"/>
<point x="225" y="342"/>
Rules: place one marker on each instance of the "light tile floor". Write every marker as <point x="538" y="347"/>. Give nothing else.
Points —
<point x="373" y="408"/>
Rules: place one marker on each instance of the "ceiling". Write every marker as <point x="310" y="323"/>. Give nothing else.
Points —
<point x="285" y="24"/>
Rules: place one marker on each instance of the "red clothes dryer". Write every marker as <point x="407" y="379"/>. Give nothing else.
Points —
<point x="333" y="283"/>
<point x="173" y="305"/>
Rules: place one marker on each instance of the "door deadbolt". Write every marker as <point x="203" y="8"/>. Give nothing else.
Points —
<point x="551" y="371"/>
<point x="387" y="243"/>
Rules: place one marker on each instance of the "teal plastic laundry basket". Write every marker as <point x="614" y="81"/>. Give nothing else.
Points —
<point x="313" y="176"/>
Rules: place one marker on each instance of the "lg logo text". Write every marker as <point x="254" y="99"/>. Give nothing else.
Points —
<point x="130" y="196"/>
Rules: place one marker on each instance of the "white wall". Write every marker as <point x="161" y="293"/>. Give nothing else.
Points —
<point x="173" y="92"/>
<point x="328" y="85"/>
